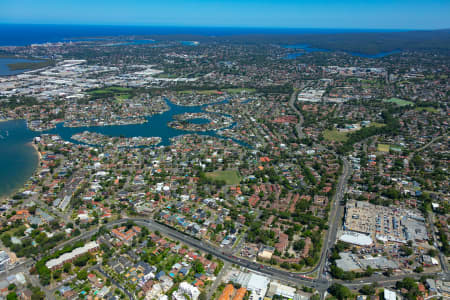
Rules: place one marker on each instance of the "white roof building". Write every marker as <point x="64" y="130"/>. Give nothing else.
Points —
<point x="188" y="289"/>
<point x="282" y="290"/>
<point x="258" y="284"/>
<point x="71" y="255"/>
<point x="389" y="295"/>
<point x="356" y="238"/>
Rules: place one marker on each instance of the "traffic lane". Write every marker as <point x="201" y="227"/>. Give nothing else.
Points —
<point x="288" y="276"/>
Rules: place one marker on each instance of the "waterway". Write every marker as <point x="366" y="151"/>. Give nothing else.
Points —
<point x="4" y="69"/>
<point x="18" y="160"/>
<point x="156" y="125"/>
<point x="190" y="43"/>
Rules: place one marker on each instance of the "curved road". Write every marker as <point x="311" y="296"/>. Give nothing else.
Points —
<point x="274" y="273"/>
<point x="299" y="129"/>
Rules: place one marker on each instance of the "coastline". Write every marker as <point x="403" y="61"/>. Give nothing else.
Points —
<point x="39" y="156"/>
<point x="32" y="144"/>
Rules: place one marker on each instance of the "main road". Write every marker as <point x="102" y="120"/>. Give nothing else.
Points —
<point x="337" y="208"/>
<point x="336" y="213"/>
<point x="296" y="278"/>
<point x="299" y="125"/>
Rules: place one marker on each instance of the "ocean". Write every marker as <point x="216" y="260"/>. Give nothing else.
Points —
<point x="26" y="34"/>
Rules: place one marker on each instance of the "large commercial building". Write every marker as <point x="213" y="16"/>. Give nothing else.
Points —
<point x="57" y="263"/>
<point x="386" y="224"/>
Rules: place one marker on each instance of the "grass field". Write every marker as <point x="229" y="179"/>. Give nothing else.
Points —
<point x="119" y="93"/>
<point x="383" y="147"/>
<point x="396" y="148"/>
<point x="123" y="96"/>
<point x="335" y="135"/>
<point x="214" y="92"/>
<point x="375" y="124"/>
<point x="239" y="90"/>
<point x="338" y="136"/>
<point x="428" y="109"/>
<point x="200" y="92"/>
<point x="165" y="75"/>
<point x="108" y="90"/>
<point x="399" y="102"/>
<point x="229" y="176"/>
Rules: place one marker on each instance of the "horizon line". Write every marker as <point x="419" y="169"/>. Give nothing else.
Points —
<point x="225" y="26"/>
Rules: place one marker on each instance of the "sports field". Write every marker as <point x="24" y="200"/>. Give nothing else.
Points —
<point x="229" y="176"/>
<point x="335" y="135"/>
<point x="383" y="147"/>
<point x="399" y="102"/>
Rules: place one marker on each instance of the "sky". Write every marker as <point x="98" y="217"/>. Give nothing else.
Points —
<point x="366" y="14"/>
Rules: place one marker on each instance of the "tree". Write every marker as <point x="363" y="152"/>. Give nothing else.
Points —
<point x="82" y="260"/>
<point x="57" y="274"/>
<point x="315" y="297"/>
<point x="12" y="296"/>
<point x="37" y="294"/>
<point x="67" y="267"/>
<point x="388" y="272"/>
<point x="299" y="245"/>
<point x="197" y="266"/>
<point x="82" y="275"/>
<point x="410" y="285"/>
<point x="368" y="290"/>
<point x="340" y="291"/>
<point x="407" y="251"/>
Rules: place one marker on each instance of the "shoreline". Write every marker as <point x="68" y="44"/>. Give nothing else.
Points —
<point x="32" y="144"/>
<point x="39" y="156"/>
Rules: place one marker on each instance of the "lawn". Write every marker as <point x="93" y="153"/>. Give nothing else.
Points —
<point x="229" y="176"/>
<point x="122" y="97"/>
<point x="200" y="92"/>
<point x="376" y="124"/>
<point x="165" y="75"/>
<point x="119" y="93"/>
<point x="399" y="102"/>
<point x="214" y="92"/>
<point x="383" y="147"/>
<point x="108" y="90"/>
<point x="239" y="90"/>
<point x="428" y="109"/>
<point x="339" y="136"/>
<point x="335" y="135"/>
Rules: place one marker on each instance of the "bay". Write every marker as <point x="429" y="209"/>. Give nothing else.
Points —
<point x="307" y="49"/>
<point x="4" y="69"/>
<point x="18" y="159"/>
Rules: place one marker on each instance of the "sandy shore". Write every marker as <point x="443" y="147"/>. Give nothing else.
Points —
<point x="32" y="144"/>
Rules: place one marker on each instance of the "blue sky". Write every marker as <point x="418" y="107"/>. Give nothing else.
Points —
<point x="368" y="14"/>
